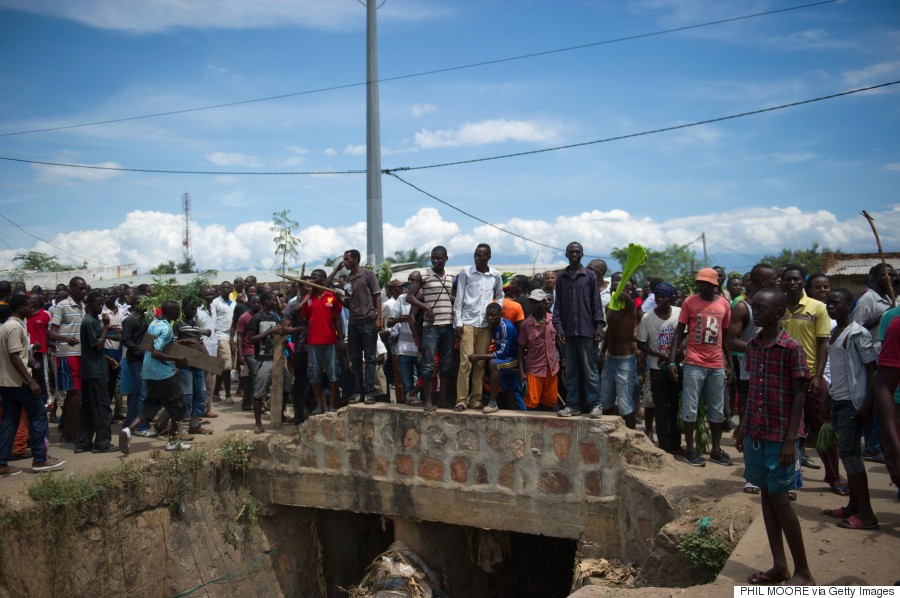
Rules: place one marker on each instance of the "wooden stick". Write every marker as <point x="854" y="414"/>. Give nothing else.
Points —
<point x="890" y="287"/>
<point x="310" y="284"/>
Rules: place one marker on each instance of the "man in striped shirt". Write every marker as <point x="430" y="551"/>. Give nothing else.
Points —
<point x="65" y="330"/>
<point x="437" y="331"/>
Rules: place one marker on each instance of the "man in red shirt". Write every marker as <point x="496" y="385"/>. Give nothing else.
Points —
<point x="322" y="310"/>
<point x="704" y="318"/>
<point x="38" y="326"/>
<point x="886" y="381"/>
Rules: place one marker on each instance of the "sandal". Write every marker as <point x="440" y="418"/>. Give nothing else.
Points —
<point x="839" y="513"/>
<point x="840" y="489"/>
<point x="199" y="430"/>
<point x="764" y="578"/>
<point x="460" y="407"/>
<point x="490" y="409"/>
<point x="258" y="430"/>
<point x="854" y="522"/>
<point x="792" y="495"/>
<point x="751" y="489"/>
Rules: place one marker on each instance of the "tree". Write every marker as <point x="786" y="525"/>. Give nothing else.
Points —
<point x="666" y="263"/>
<point x="808" y="258"/>
<point x="187" y="265"/>
<point x="286" y="244"/>
<point x="165" y="268"/>
<point x="409" y="256"/>
<point x="37" y="260"/>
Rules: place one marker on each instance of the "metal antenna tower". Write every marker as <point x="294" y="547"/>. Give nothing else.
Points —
<point x="186" y="242"/>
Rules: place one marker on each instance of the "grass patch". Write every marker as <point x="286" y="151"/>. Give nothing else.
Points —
<point x="235" y="452"/>
<point x="52" y="490"/>
<point x="706" y="552"/>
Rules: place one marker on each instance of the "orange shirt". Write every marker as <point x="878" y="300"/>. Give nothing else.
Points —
<point x="512" y="311"/>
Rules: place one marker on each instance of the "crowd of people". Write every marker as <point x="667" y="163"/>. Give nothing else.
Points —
<point x="772" y="355"/>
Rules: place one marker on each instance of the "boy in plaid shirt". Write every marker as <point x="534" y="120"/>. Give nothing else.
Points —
<point x="767" y="435"/>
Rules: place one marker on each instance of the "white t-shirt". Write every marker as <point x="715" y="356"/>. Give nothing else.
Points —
<point x="659" y="334"/>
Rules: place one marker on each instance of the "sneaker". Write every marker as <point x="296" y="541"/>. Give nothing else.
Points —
<point x="177" y="446"/>
<point x="184" y="437"/>
<point x="50" y="463"/>
<point x="125" y="440"/>
<point x="229" y="401"/>
<point x="694" y="459"/>
<point x="316" y="411"/>
<point x="210" y="414"/>
<point x="8" y="470"/>
<point x="82" y="449"/>
<point x="874" y="456"/>
<point x="107" y="449"/>
<point x="596" y="412"/>
<point x="369" y="400"/>
<point x="148" y="433"/>
<point x="810" y="463"/>
<point x="567" y="412"/>
<point x="720" y="457"/>
<point x="354" y="399"/>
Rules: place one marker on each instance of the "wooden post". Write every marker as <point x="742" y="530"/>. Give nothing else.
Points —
<point x="890" y="286"/>
<point x="277" y="402"/>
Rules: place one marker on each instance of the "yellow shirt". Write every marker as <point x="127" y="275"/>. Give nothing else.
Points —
<point x="806" y="325"/>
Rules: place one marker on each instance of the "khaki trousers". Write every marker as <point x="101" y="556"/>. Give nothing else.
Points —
<point x="474" y="341"/>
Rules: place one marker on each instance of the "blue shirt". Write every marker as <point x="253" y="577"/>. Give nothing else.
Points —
<point x="155" y="369"/>
<point x="506" y="340"/>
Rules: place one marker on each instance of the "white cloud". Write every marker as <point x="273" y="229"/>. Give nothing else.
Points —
<point x="331" y="152"/>
<point x="147" y="238"/>
<point x="793" y="157"/>
<point x="893" y="167"/>
<point x="487" y="131"/>
<point x="355" y="150"/>
<point x="66" y="176"/>
<point x="153" y="16"/>
<point x="873" y="74"/>
<point x="420" y="110"/>
<point x="234" y="159"/>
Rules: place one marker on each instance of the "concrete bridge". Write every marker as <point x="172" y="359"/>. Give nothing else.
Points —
<point x="589" y="480"/>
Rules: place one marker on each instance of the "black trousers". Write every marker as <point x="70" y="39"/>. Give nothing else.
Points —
<point x="95" y="428"/>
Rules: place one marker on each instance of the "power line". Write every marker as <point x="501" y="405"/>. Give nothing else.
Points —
<point x="51" y="244"/>
<point x="483" y="221"/>
<point x="473" y="160"/>
<point x="430" y="72"/>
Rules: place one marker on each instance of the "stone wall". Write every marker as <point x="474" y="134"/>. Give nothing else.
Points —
<point x="529" y="473"/>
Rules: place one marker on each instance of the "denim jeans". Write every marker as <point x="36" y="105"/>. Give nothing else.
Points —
<point x="617" y="383"/>
<point x="694" y="380"/>
<point x="409" y="368"/>
<point x="437" y="350"/>
<point x="193" y="387"/>
<point x="14" y="399"/>
<point x="136" y="399"/>
<point x="361" y="345"/>
<point x="582" y="356"/>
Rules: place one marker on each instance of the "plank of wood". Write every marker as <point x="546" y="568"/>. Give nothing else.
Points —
<point x="277" y="402"/>
<point x="195" y="357"/>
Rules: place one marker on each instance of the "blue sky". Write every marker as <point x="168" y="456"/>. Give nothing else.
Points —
<point x="753" y="185"/>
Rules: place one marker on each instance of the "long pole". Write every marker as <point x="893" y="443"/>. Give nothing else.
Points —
<point x="374" y="240"/>
<point x="705" y="257"/>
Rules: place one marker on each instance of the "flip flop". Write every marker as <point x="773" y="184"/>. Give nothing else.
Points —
<point x="839" y="513"/>
<point x="764" y="579"/>
<point x="460" y="407"/>
<point x="840" y="490"/>
<point x="854" y="522"/>
<point x="490" y="409"/>
<point x="751" y="489"/>
<point x="792" y="495"/>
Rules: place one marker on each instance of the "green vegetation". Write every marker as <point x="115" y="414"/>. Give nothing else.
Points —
<point x="706" y="552"/>
<point x="52" y="490"/>
<point x="665" y="263"/>
<point x="235" y="452"/>
<point x="808" y="258"/>
<point x="410" y="256"/>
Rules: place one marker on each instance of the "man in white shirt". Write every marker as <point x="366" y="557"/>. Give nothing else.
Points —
<point x="476" y="287"/>
<point x="222" y="310"/>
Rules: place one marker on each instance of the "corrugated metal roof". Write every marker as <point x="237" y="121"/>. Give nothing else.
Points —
<point x="853" y="267"/>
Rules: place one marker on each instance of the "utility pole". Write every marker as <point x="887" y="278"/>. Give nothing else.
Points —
<point x="186" y="239"/>
<point x="374" y="229"/>
<point x="705" y="256"/>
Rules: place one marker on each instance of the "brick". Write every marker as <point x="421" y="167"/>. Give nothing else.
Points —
<point x="411" y="439"/>
<point x="517" y="448"/>
<point x="537" y="446"/>
<point x="308" y="459"/>
<point x="357" y="460"/>
<point x="466" y="440"/>
<point x="459" y="471"/>
<point x="593" y="483"/>
<point x="590" y="452"/>
<point x="481" y="475"/>
<point x="436" y="439"/>
<point x="369" y="434"/>
<point x="312" y="425"/>
<point x="387" y="436"/>
<point x="380" y="467"/>
<point x="353" y="432"/>
<point x="327" y="429"/>
<point x="431" y="469"/>
<point x="554" y="482"/>
<point x="332" y="458"/>
<point x="561" y="445"/>
<point x="340" y="431"/>
<point x="507" y="475"/>
<point x="403" y="464"/>
<point x="495" y="440"/>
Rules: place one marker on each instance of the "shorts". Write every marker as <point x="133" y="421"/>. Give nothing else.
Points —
<point x="322" y="357"/>
<point x="695" y="379"/>
<point x="164" y="394"/>
<point x="763" y="468"/>
<point x="509" y="373"/>
<point x="224" y="352"/>
<point x="541" y="390"/>
<point x="845" y="420"/>
<point x="647" y="393"/>
<point x="262" y="379"/>
<point x="69" y="373"/>
<point x="617" y="383"/>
